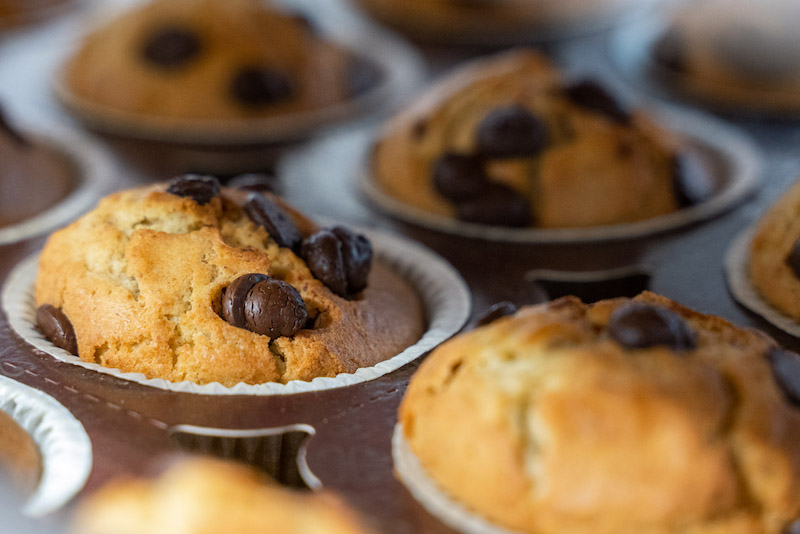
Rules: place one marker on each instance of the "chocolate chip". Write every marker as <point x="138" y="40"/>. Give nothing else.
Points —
<point x="57" y="328"/>
<point x="590" y="95"/>
<point x="257" y="182"/>
<point x="496" y="311"/>
<point x="459" y="177"/>
<point x="339" y="258"/>
<point x="786" y="370"/>
<point x="274" y="308"/>
<point x="235" y="297"/>
<point x="198" y="187"/>
<point x="280" y="227"/>
<point x="260" y="86"/>
<point x="12" y="132"/>
<point x="172" y="46"/>
<point x="362" y="75"/>
<point x="511" y="132"/>
<point x="691" y="180"/>
<point x="793" y="259"/>
<point x="497" y="205"/>
<point x="637" y="326"/>
<point x="669" y="51"/>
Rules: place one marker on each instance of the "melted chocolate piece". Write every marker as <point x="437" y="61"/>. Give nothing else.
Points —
<point x="198" y="187"/>
<point x="278" y="224"/>
<point x="57" y="328"/>
<point x="171" y="47"/>
<point x="496" y="311"/>
<point x="497" y="205"/>
<point x="459" y="177"/>
<point x="12" y="132"/>
<point x="511" y="132"/>
<point x="670" y="51"/>
<point x="637" y="326"/>
<point x="340" y="259"/>
<point x="274" y="308"/>
<point x="691" y="180"/>
<point x="590" y="95"/>
<point x="786" y="370"/>
<point x="362" y="75"/>
<point x="235" y="296"/>
<point x="793" y="259"/>
<point x="260" y="86"/>
<point x="255" y="182"/>
<point x="357" y="254"/>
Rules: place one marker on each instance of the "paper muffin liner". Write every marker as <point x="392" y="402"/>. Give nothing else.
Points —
<point x="93" y="168"/>
<point x="738" y="166"/>
<point x="66" y="452"/>
<point x="738" y="273"/>
<point x="431" y="496"/>
<point x="279" y="452"/>
<point x="444" y="295"/>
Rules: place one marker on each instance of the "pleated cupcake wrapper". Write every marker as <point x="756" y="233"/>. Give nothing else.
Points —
<point x="431" y="496"/>
<point x="445" y="298"/>
<point x="737" y="265"/>
<point x="278" y="452"/>
<point x="741" y="165"/>
<point x="64" y="446"/>
<point x="93" y="168"/>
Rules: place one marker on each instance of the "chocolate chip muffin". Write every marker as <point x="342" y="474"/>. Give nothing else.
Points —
<point x="734" y="52"/>
<point x="201" y="495"/>
<point x="190" y="282"/>
<point x="626" y="416"/>
<point x="174" y="60"/>
<point x="506" y="141"/>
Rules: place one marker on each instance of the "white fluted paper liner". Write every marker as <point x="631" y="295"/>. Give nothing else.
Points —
<point x="430" y="495"/>
<point x="63" y="443"/>
<point x="743" y="290"/>
<point x="741" y="168"/>
<point x="444" y="295"/>
<point x="93" y="168"/>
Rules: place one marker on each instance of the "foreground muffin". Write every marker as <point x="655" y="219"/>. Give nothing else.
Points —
<point x="190" y="283"/>
<point x="175" y="60"/>
<point x="626" y="416"/>
<point x="506" y="141"/>
<point x="200" y="496"/>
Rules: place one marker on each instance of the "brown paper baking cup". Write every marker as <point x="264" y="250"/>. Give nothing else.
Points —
<point x="742" y="288"/>
<point x="65" y="449"/>
<point x="736" y="160"/>
<point x="445" y="298"/>
<point x="93" y="168"/>
<point x="431" y="496"/>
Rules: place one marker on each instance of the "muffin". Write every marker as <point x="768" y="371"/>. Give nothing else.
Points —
<point x="193" y="283"/>
<point x="507" y="141"/>
<point x="199" y="496"/>
<point x="178" y="60"/>
<point x="626" y="416"/>
<point x="20" y="460"/>
<point x="734" y="52"/>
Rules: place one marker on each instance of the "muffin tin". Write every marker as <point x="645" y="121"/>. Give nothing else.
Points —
<point x="131" y="425"/>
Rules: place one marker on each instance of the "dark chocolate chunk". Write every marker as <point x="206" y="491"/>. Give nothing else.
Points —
<point x="12" y="132"/>
<point x="340" y="259"/>
<point x="669" y="51"/>
<point x="459" y="177"/>
<point x="497" y="205"/>
<point x="793" y="259"/>
<point x="637" y="326"/>
<point x="362" y="75"/>
<point x="260" y="86"/>
<point x="590" y="95"/>
<point x="257" y="182"/>
<point x="277" y="222"/>
<point x="198" y="187"/>
<point x="172" y="46"/>
<point x="57" y="328"/>
<point x="235" y="297"/>
<point x="786" y="370"/>
<point x="274" y="308"/>
<point x="494" y="312"/>
<point x="692" y="181"/>
<point x="511" y="132"/>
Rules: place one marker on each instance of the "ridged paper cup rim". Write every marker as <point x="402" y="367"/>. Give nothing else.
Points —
<point x="444" y="295"/>
<point x="65" y="449"/>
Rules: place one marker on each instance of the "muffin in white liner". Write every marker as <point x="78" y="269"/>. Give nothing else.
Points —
<point x="444" y="295"/>
<point x="65" y="449"/>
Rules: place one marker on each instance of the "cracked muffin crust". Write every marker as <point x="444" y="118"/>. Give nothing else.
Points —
<point x="507" y="141"/>
<point x="626" y="416"/>
<point x="141" y="282"/>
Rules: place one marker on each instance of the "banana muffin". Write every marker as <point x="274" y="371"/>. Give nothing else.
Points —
<point x="625" y="416"/>
<point x="204" y="496"/>
<point x="507" y="141"/>
<point x="191" y="282"/>
<point x="174" y="60"/>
